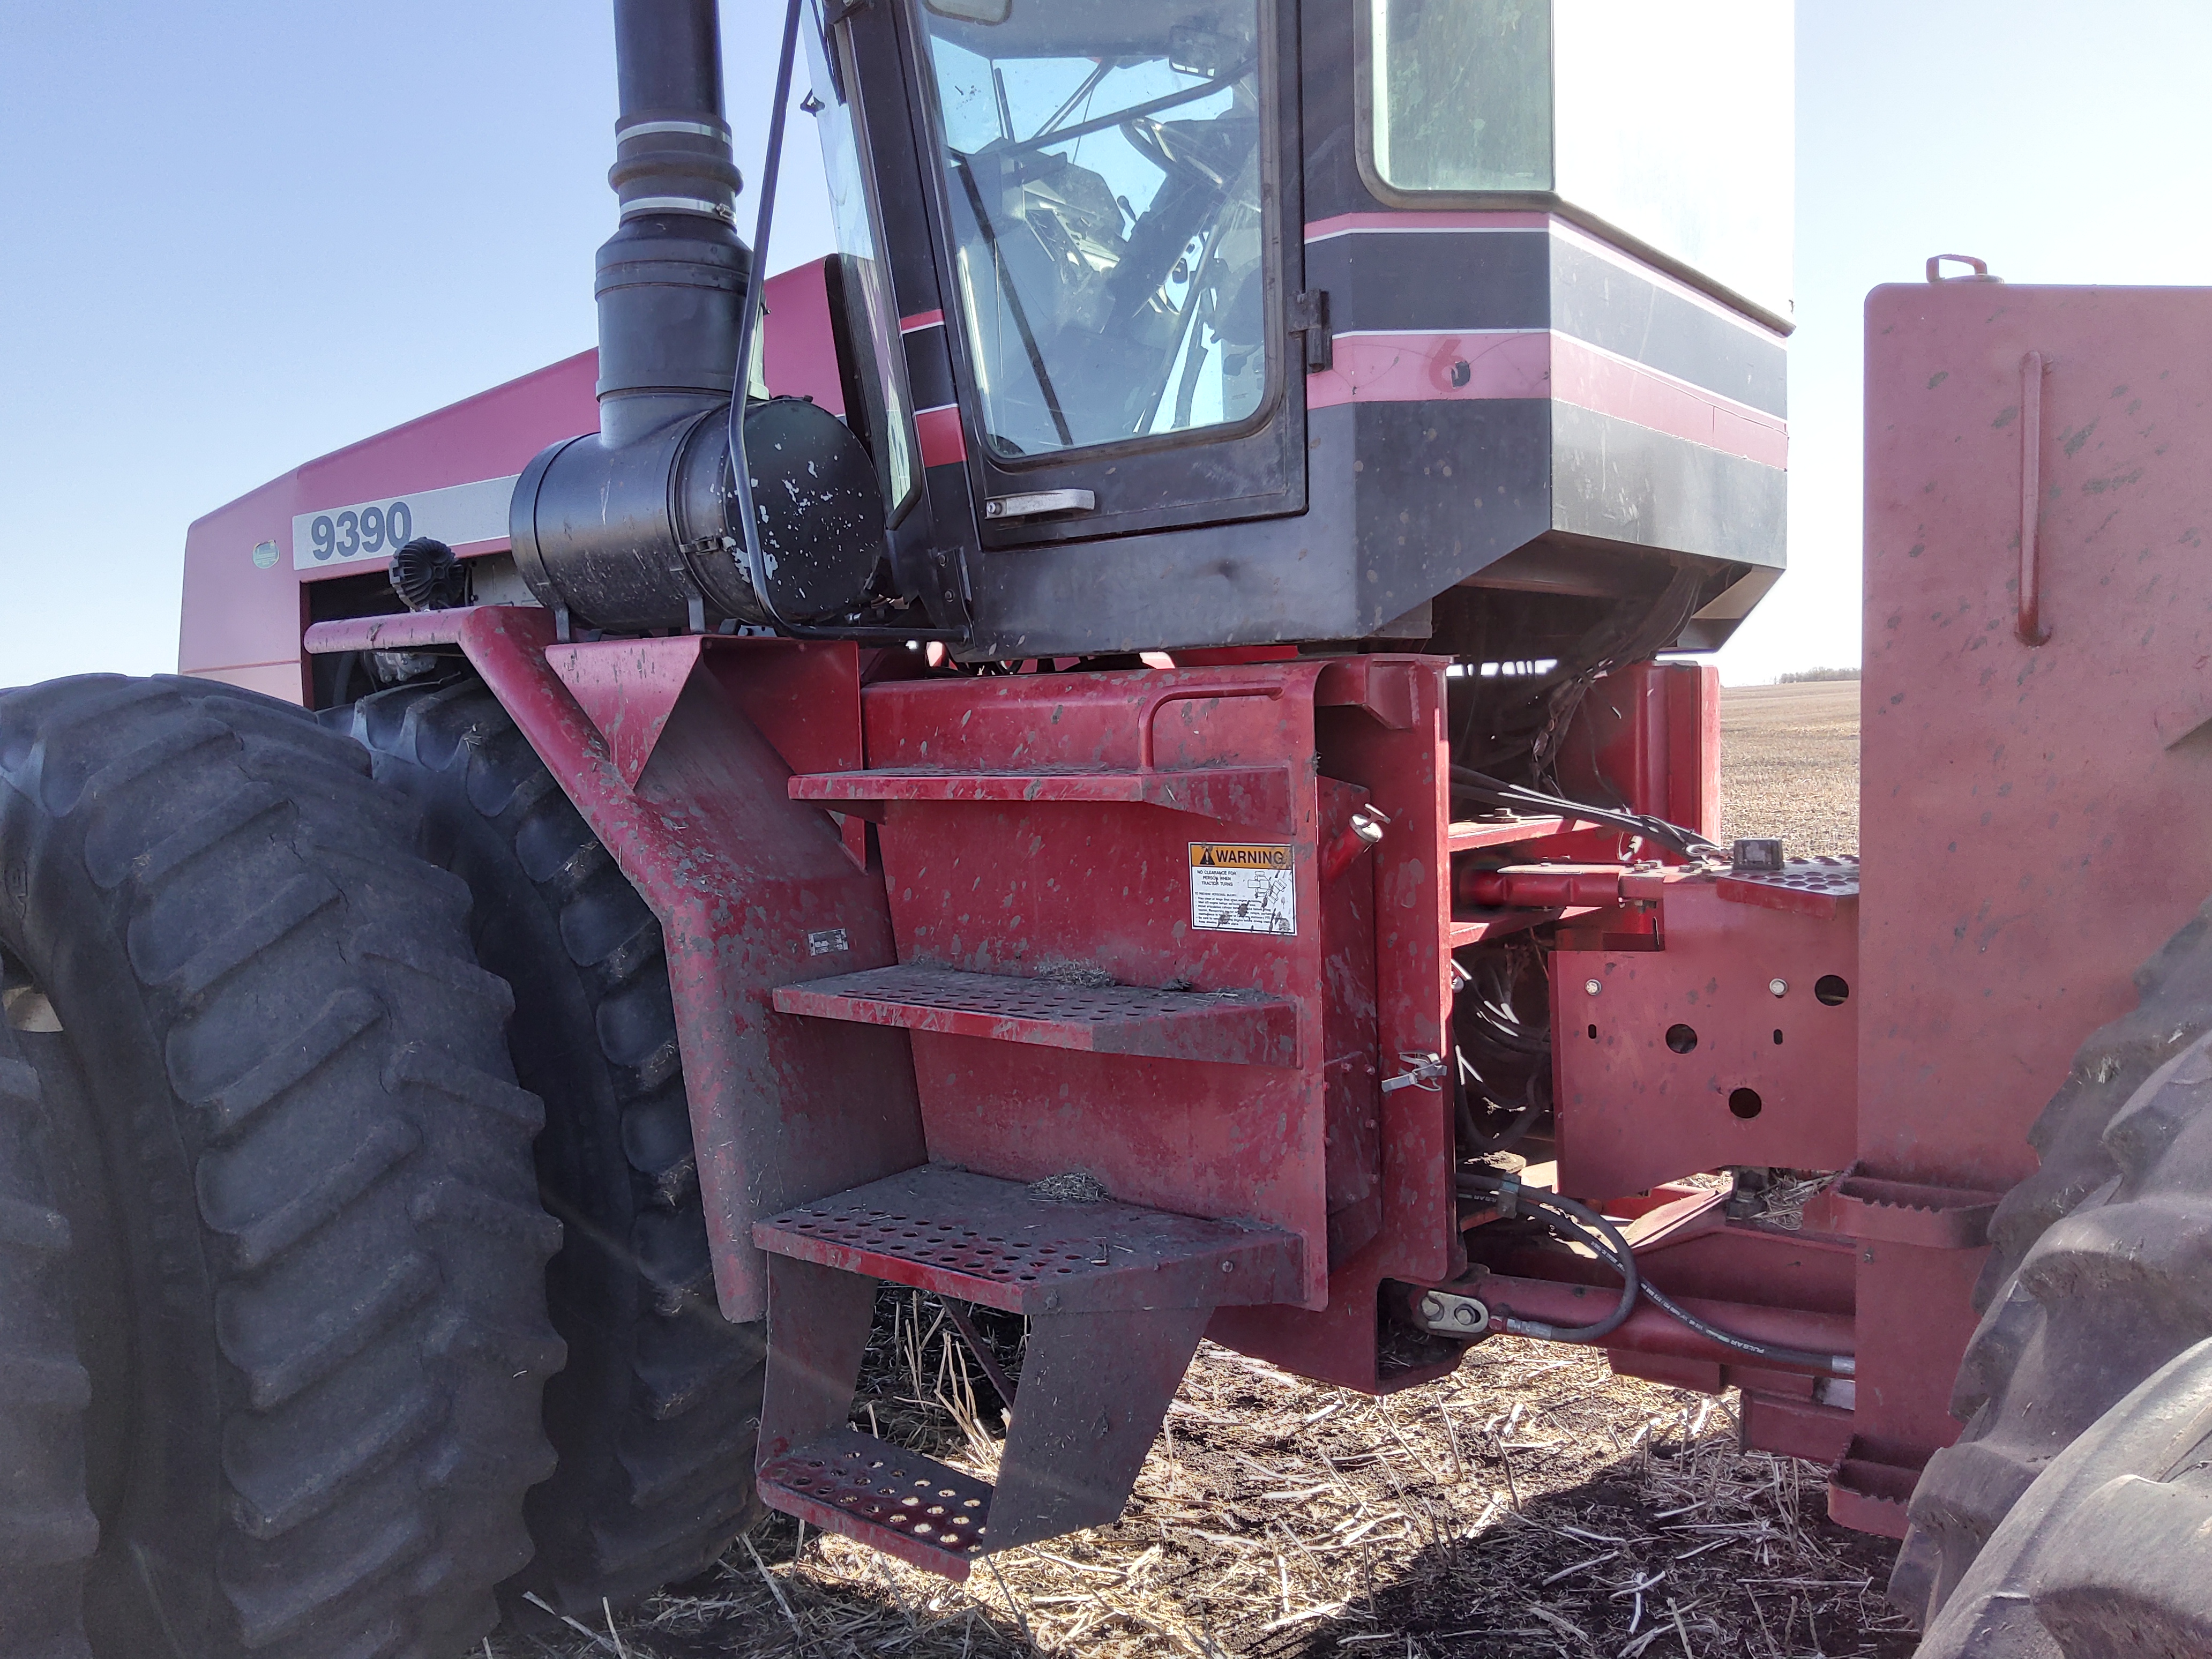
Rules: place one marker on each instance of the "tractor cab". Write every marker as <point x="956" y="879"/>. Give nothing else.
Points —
<point x="1187" y="323"/>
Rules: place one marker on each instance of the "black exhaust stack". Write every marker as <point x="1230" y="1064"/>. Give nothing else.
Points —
<point x="672" y="279"/>
<point x="635" y="528"/>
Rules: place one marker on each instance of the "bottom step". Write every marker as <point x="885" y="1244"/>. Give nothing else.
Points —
<point x="898" y="1501"/>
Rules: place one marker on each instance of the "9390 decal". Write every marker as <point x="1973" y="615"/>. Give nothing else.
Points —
<point x="465" y="516"/>
<point x="359" y="532"/>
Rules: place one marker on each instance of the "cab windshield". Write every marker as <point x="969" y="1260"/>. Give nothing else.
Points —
<point x="1104" y="167"/>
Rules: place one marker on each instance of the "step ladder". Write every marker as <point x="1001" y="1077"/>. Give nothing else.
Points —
<point x="1053" y="850"/>
<point x="1117" y="1297"/>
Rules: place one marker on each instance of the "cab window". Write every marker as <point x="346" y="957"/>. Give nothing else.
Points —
<point x="872" y="322"/>
<point x="1463" y="94"/>
<point x="1670" y="126"/>
<point x="1103" y="166"/>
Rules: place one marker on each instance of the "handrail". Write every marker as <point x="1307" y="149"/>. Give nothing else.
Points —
<point x="2030" y="627"/>
<point x="1187" y="694"/>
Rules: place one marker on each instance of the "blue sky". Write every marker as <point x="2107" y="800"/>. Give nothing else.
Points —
<point x="237" y="237"/>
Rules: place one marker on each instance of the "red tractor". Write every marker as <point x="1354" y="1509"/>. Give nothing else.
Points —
<point x="1123" y="759"/>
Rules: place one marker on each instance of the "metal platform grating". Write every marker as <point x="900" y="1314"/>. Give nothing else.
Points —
<point x="1238" y="1027"/>
<point x="906" y="1506"/>
<point x="1811" y="886"/>
<point x="994" y="1241"/>
<point x="1837" y="876"/>
<point x="944" y="1244"/>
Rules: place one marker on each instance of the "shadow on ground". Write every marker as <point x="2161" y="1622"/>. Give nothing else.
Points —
<point x="1750" y="1570"/>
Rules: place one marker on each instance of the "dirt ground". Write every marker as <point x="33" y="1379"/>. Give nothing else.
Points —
<point x="1531" y="1504"/>
<point x="1790" y="764"/>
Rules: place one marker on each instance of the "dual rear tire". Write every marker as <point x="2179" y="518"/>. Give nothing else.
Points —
<point x="300" y="1290"/>
<point x="656" y="1415"/>
<point x="274" y="1244"/>
<point x="47" y="1529"/>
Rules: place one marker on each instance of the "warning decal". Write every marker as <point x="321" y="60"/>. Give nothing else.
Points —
<point x="1242" y="890"/>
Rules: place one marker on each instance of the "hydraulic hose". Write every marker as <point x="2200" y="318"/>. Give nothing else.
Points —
<point x="1685" y="843"/>
<point x="1578" y="1220"/>
<point x="1836" y="1364"/>
<point x="1625" y="1264"/>
<point x="1476" y="1138"/>
<point x="1607" y="1239"/>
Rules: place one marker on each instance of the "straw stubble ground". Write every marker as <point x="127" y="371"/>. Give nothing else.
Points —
<point x="1531" y="1504"/>
<point x="1790" y="759"/>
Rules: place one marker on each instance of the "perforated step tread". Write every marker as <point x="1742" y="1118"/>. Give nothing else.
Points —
<point x="1236" y="1027"/>
<point x="1813" y="887"/>
<point x="993" y="1241"/>
<point x="899" y="1502"/>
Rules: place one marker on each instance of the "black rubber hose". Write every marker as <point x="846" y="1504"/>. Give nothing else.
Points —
<point x="1687" y="844"/>
<point x="1516" y="1039"/>
<point x="1836" y="1364"/>
<point x="1601" y="1235"/>
<point x="1476" y="1138"/>
<point x="1462" y="1112"/>
<point x="1624" y="1264"/>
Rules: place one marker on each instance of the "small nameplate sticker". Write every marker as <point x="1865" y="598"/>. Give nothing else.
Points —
<point x="828" y="942"/>
<point x="1243" y="888"/>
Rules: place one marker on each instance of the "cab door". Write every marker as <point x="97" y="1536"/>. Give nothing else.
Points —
<point x="1114" y="188"/>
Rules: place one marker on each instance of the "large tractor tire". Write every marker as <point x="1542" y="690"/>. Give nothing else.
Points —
<point x="2109" y="1554"/>
<point x="48" y="1531"/>
<point x="655" y="1419"/>
<point x="2111" y="1279"/>
<point x="2173" y="1008"/>
<point x="306" y="1257"/>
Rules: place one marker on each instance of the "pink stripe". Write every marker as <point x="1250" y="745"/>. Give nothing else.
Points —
<point x="943" y="443"/>
<point x="921" y="320"/>
<point x="1437" y="220"/>
<point x="1414" y="367"/>
<point x="1403" y="368"/>
<point x="1590" y="379"/>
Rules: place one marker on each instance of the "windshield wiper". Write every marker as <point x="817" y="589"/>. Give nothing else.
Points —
<point x="1014" y="302"/>
<point x="1100" y="123"/>
<point x="1090" y="85"/>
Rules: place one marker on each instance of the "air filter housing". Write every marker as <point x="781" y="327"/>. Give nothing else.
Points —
<point x="643" y="536"/>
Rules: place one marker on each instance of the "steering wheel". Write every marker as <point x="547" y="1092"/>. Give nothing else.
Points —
<point x="1174" y="148"/>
